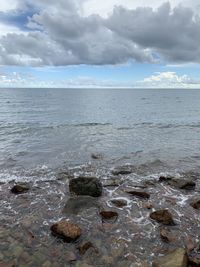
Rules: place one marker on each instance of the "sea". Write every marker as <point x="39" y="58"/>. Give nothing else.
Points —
<point x="44" y="130"/>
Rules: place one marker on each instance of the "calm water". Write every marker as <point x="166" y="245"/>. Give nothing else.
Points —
<point x="42" y="130"/>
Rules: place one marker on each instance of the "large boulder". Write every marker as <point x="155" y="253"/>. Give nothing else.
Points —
<point x="66" y="230"/>
<point x="162" y="216"/>
<point x="86" y="186"/>
<point x="76" y="205"/>
<point x="176" y="258"/>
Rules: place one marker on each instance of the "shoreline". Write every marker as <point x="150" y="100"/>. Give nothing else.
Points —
<point x="132" y="239"/>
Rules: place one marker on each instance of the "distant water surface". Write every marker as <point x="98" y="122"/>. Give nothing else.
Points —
<point x="42" y="130"/>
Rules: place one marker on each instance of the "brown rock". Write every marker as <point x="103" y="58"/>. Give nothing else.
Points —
<point x="66" y="230"/>
<point x="148" y="205"/>
<point x="176" y="258"/>
<point x="140" y="194"/>
<point x="120" y="203"/>
<point x="194" y="260"/>
<point x="190" y="244"/>
<point x="195" y="204"/>
<point x="162" y="216"/>
<point x="7" y="264"/>
<point x="183" y="183"/>
<point x="84" y="247"/>
<point x="109" y="215"/>
<point x="20" y="188"/>
<point x="166" y="235"/>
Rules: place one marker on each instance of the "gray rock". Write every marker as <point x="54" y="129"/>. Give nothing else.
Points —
<point x="76" y="205"/>
<point x="86" y="186"/>
<point x="122" y="170"/>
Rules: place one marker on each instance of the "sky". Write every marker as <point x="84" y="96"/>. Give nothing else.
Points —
<point x="97" y="44"/>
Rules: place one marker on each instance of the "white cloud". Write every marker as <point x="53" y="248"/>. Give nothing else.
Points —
<point x="168" y="80"/>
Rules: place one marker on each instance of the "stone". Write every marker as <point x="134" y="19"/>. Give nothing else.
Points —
<point x="180" y="183"/>
<point x="96" y="156"/>
<point x="176" y="258"/>
<point x="109" y="215"/>
<point x="195" y="204"/>
<point x="87" y="186"/>
<point x="46" y="264"/>
<point x="76" y="205"/>
<point x="139" y="194"/>
<point x="122" y="170"/>
<point x="148" y="205"/>
<point x="162" y="216"/>
<point x="7" y="264"/>
<point x="20" y="188"/>
<point x="66" y="230"/>
<point x="194" y="260"/>
<point x="166" y="235"/>
<point x="84" y="247"/>
<point x="120" y="203"/>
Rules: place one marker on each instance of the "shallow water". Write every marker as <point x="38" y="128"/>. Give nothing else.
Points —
<point x="45" y="132"/>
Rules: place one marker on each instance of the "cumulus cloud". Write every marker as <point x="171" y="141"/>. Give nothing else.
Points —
<point x="59" y="33"/>
<point x="168" y="80"/>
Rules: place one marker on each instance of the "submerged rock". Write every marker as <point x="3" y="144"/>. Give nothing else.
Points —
<point x="96" y="156"/>
<point x="120" y="203"/>
<point x="109" y="215"/>
<point x="122" y="170"/>
<point x="84" y="247"/>
<point x="195" y="204"/>
<point x="20" y="188"/>
<point x="76" y="205"/>
<point x="166" y="235"/>
<point x="194" y="260"/>
<point x="140" y="194"/>
<point x="176" y="258"/>
<point x="87" y="186"/>
<point x="181" y="183"/>
<point x="162" y="216"/>
<point x="66" y="230"/>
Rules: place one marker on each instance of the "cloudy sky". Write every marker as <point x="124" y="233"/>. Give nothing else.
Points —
<point x="92" y="43"/>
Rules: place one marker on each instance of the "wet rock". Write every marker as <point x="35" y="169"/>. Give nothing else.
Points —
<point x="148" y="205"/>
<point x="70" y="256"/>
<point x="120" y="203"/>
<point x="140" y="194"/>
<point x="96" y="156"/>
<point x="166" y="235"/>
<point x="194" y="260"/>
<point x="195" y="204"/>
<point x="88" y="186"/>
<point x="165" y="178"/>
<point x="20" y="188"/>
<point x="84" y="247"/>
<point x="180" y="183"/>
<point x="122" y="170"/>
<point x="76" y="205"/>
<point x="162" y="216"/>
<point x="109" y="215"/>
<point x="66" y="230"/>
<point x="190" y="244"/>
<point x="176" y="258"/>
<point x="112" y="182"/>
<point x="7" y="264"/>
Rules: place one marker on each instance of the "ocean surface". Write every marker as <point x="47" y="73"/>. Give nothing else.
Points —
<point x="45" y="130"/>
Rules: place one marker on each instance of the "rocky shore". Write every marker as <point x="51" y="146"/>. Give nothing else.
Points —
<point x="85" y="220"/>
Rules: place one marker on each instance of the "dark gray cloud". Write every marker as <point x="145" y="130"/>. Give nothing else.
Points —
<point x="60" y="35"/>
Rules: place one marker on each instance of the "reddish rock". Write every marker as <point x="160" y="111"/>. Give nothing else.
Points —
<point x="166" y="235"/>
<point x="162" y="216"/>
<point x="109" y="215"/>
<point x="84" y="247"/>
<point x="140" y="194"/>
<point x="66" y="230"/>
<point x="195" y="204"/>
